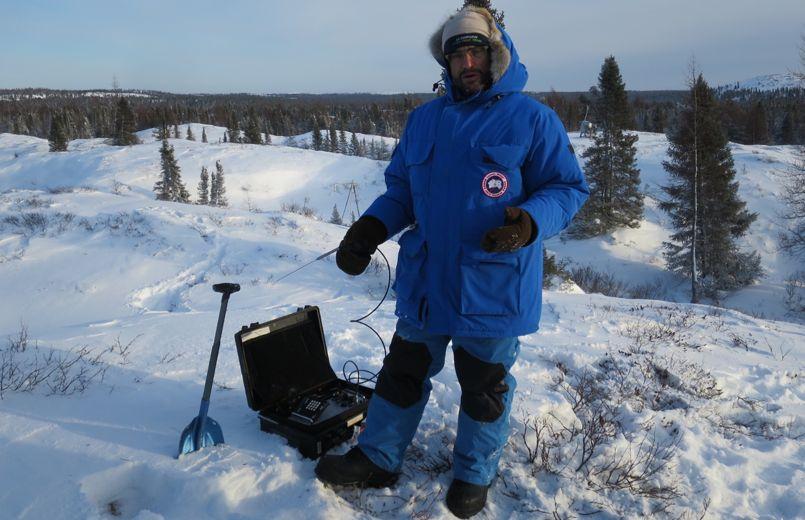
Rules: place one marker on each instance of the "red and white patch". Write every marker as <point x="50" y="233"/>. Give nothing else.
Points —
<point x="494" y="184"/>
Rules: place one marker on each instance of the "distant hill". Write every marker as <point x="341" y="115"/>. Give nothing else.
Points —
<point x="766" y="83"/>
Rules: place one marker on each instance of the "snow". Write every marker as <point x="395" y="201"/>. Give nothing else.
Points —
<point x="88" y="259"/>
<point x="767" y="82"/>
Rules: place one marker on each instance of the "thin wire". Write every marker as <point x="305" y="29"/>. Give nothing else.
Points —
<point x="360" y="320"/>
<point x="352" y="375"/>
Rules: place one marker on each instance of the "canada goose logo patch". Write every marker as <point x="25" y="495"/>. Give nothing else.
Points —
<point x="494" y="184"/>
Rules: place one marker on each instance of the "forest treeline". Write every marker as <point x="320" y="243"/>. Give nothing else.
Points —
<point x="747" y="116"/>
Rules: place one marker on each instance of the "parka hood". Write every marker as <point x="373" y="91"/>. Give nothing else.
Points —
<point x="508" y="74"/>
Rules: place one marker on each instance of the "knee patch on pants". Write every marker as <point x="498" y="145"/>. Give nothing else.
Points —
<point x="404" y="371"/>
<point x="482" y="386"/>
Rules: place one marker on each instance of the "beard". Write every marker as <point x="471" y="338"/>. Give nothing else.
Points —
<point x="472" y="81"/>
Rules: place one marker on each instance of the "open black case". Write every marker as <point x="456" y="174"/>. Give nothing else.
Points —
<point x="290" y="383"/>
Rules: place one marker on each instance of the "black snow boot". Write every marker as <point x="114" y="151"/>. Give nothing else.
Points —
<point x="353" y="469"/>
<point x="464" y="499"/>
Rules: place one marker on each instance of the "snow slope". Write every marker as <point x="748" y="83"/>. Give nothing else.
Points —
<point x="766" y="83"/>
<point x="706" y="404"/>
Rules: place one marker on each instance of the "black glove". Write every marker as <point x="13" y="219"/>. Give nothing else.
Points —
<point x="359" y="244"/>
<point x="520" y="229"/>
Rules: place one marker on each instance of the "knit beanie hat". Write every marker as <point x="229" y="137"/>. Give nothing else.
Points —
<point x="466" y="28"/>
<point x="471" y="26"/>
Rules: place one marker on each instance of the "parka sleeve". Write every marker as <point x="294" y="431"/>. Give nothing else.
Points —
<point x="552" y="178"/>
<point x="395" y="207"/>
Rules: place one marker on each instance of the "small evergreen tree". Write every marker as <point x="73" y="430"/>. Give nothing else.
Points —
<point x="788" y="128"/>
<point x="204" y="187"/>
<point x="125" y="124"/>
<point x="354" y="145"/>
<point x="757" y="127"/>
<point x="792" y="240"/>
<point x="487" y="4"/>
<point x="335" y="218"/>
<point x="611" y="167"/>
<point x="332" y="140"/>
<point x="57" y="138"/>
<point x="161" y="132"/>
<point x="383" y="151"/>
<point x="316" y="138"/>
<point x="190" y="136"/>
<point x="204" y="134"/>
<point x="170" y="186"/>
<point x="217" y="188"/>
<point x="343" y="147"/>
<point x="175" y="131"/>
<point x="225" y="136"/>
<point x="706" y="213"/>
<point x="252" y="134"/>
<point x="233" y="128"/>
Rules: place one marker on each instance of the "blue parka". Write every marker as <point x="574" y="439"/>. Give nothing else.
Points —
<point x="458" y="165"/>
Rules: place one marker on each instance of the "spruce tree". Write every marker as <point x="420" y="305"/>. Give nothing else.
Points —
<point x="335" y="218"/>
<point x="487" y="4"/>
<point x="706" y="213"/>
<point x="611" y="168"/>
<point x="233" y="128"/>
<point x="204" y="187"/>
<point x="252" y="134"/>
<point x="190" y="136"/>
<point x="317" y="139"/>
<point x="343" y="147"/>
<point x="125" y="124"/>
<point x="175" y="131"/>
<point x="354" y="145"/>
<point x="757" y="127"/>
<point x="204" y="134"/>
<point x="161" y="132"/>
<point x="170" y="186"/>
<point x="332" y="140"/>
<point x="218" y="187"/>
<point x="57" y="138"/>
<point x="788" y="129"/>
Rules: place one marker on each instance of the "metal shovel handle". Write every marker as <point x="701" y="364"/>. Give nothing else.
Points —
<point x="225" y="289"/>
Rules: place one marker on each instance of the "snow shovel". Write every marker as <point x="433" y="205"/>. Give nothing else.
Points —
<point x="204" y="431"/>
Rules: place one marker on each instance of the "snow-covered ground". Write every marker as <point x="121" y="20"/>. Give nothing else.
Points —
<point x="693" y="410"/>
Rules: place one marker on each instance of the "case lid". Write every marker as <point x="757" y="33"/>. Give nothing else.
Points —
<point x="283" y="358"/>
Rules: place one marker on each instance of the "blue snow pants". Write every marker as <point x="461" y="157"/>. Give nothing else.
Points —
<point x="482" y="368"/>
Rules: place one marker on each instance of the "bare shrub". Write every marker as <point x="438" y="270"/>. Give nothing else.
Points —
<point x="592" y="281"/>
<point x="26" y="367"/>
<point x="593" y="447"/>
<point x="795" y="292"/>
<point x="33" y="223"/>
<point x="647" y="291"/>
<point x="119" y="188"/>
<point x="133" y="225"/>
<point x="635" y="468"/>
<point x="295" y="207"/>
<point x="32" y="202"/>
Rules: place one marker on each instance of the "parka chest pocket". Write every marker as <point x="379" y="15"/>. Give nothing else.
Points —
<point x="495" y="177"/>
<point x="418" y="155"/>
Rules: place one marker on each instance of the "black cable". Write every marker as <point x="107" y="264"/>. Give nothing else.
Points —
<point x="373" y="379"/>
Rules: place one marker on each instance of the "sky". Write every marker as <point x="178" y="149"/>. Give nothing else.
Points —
<point x="321" y="46"/>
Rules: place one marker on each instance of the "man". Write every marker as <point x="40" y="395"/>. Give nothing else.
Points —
<point x="482" y="175"/>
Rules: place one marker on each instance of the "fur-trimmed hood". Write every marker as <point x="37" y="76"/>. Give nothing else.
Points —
<point x="508" y="74"/>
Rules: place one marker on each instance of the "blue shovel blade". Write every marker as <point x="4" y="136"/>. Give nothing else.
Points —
<point x="199" y="434"/>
